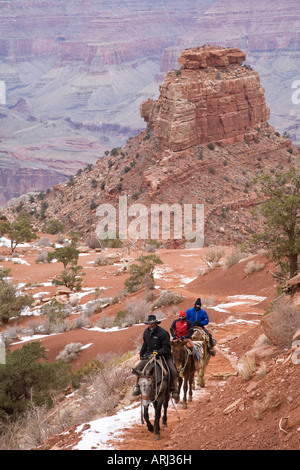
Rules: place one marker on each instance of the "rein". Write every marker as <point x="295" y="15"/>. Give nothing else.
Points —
<point x="157" y="362"/>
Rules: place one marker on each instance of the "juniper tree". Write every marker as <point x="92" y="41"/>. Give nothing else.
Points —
<point x="280" y="205"/>
<point x="18" y="231"/>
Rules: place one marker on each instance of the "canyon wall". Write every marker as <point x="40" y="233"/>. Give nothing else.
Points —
<point x="84" y="68"/>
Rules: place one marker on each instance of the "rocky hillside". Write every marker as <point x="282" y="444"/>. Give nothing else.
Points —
<point x="207" y="137"/>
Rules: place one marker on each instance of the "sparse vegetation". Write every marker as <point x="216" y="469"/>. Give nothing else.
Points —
<point x="166" y="298"/>
<point x="253" y="267"/>
<point x="281" y="323"/>
<point x="19" y="231"/>
<point x="246" y="367"/>
<point x="11" y="302"/>
<point x="280" y="205"/>
<point x="53" y="227"/>
<point x="70" y="353"/>
<point x="70" y="277"/>
<point x="235" y="257"/>
<point x="24" y="378"/>
<point x="65" y="255"/>
<point x="140" y="272"/>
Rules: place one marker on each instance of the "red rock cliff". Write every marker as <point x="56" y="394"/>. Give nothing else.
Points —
<point x="211" y="98"/>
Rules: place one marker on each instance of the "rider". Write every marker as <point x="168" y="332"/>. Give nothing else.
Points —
<point x="198" y="315"/>
<point x="156" y="341"/>
<point x="181" y="328"/>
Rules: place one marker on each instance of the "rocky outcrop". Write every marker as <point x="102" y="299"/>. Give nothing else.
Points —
<point x="208" y="137"/>
<point x="211" y="98"/>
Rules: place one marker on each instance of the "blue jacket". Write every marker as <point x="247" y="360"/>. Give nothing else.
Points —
<point x="200" y="316"/>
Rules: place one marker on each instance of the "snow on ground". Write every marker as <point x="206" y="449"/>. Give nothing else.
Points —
<point x="105" y="429"/>
<point x="240" y="300"/>
<point x="102" y="432"/>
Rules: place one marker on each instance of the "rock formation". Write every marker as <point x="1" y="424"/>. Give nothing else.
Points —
<point x="208" y="136"/>
<point x="211" y="98"/>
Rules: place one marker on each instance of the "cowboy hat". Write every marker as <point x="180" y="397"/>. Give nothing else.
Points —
<point x="151" y="319"/>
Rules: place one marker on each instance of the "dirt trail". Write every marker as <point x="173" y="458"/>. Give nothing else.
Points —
<point x="234" y="302"/>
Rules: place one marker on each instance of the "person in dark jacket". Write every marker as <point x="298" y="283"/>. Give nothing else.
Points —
<point x="181" y="328"/>
<point x="199" y="317"/>
<point x="156" y="341"/>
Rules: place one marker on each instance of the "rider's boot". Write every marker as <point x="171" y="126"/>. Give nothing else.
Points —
<point x="174" y="389"/>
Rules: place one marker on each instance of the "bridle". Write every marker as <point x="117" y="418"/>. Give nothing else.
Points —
<point x="158" y="362"/>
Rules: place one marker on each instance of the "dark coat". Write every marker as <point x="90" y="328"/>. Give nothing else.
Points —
<point x="156" y="340"/>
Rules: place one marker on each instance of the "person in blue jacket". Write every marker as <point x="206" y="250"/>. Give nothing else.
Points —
<point x="198" y="315"/>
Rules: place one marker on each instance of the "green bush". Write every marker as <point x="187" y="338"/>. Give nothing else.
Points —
<point x="27" y="377"/>
<point x="11" y="303"/>
<point x="138" y="273"/>
<point x="70" y="277"/>
<point x="54" y="227"/>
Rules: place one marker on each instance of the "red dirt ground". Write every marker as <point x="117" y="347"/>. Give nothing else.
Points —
<point x="252" y="424"/>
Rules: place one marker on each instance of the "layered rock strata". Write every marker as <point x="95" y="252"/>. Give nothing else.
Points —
<point x="211" y="98"/>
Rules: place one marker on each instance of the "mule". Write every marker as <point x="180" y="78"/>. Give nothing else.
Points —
<point x="155" y="389"/>
<point x="185" y="363"/>
<point x="201" y="342"/>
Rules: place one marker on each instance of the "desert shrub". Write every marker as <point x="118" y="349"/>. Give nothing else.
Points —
<point x="234" y="258"/>
<point x="282" y="322"/>
<point x="166" y="298"/>
<point x="150" y="248"/>
<point x="253" y="267"/>
<point x="70" y="353"/>
<point x="11" y="303"/>
<point x="246" y="367"/>
<point x="54" y="311"/>
<point x="80" y="322"/>
<point x="138" y="310"/>
<point x="42" y="257"/>
<point x="103" y="261"/>
<point x="44" y="241"/>
<point x="109" y="383"/>
<point x="271" y="401"/>
<point x="261" y="341"/>
<point x="70" y="277"/>
<point x="53" y="227"/>
<point x="94" y="306"/>
<point x="121" y="314"/>
<point x="105" y="322"/>
<point x="214" y="254"/>
<point x="66" y="255"/>
<point x="140" y="272"/>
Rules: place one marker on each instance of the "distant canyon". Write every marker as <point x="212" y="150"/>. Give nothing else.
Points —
<point x="77" y="72"/>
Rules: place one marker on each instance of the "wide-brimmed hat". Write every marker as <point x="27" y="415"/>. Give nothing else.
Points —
<point x="151" y="319"/>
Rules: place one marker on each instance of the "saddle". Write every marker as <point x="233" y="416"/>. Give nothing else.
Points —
<point x="196" y="344"/>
